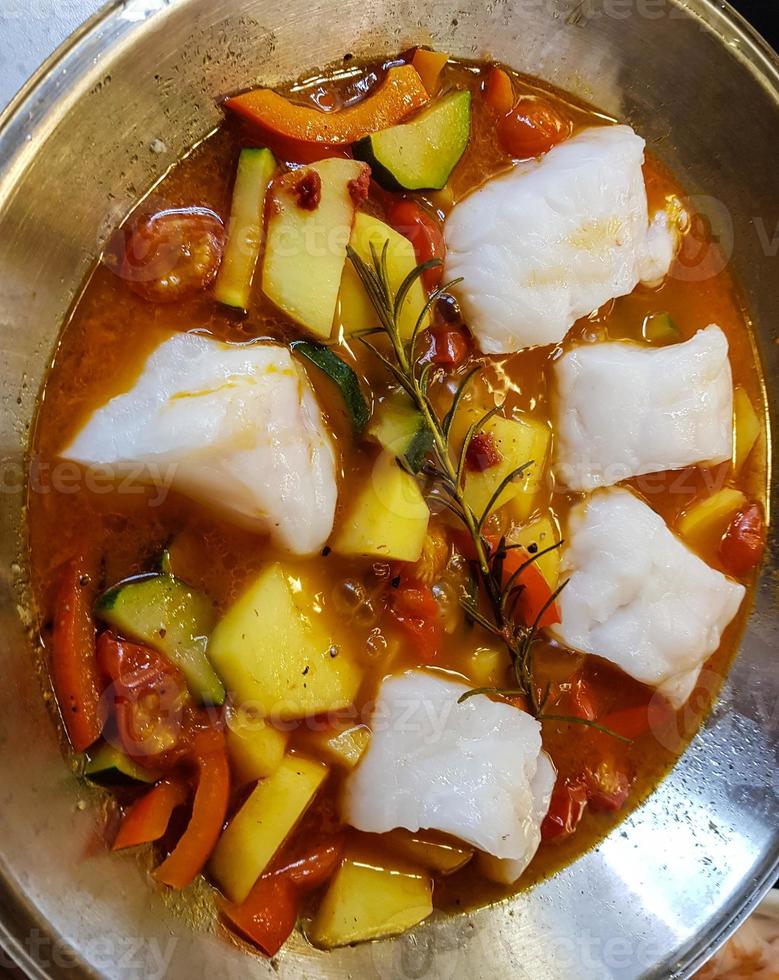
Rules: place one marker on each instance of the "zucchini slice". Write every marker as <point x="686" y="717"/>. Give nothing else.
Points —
<point x="166" y="614"/>
<point x="660" y="328"/>
<point x="256" y="168"/>
<point x="421" y="154"/>
<point x="398" y="427"/>
<point x="342" y="376"/>
<point x="108" y="763"/>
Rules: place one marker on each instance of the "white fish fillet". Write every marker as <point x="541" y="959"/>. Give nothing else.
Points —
<point x="236" y="427"/>
<point x="475" y="770"/>
<point x="639" y="597"/>
<point x="555" y="238"/>
<point x="623" y="409"/>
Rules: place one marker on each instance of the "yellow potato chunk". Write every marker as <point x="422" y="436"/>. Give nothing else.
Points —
<point x="339" y="746"/>
<point x="255" y="747"/>
<point x="428" y="849"/>
<point x="367" y="902"/>
<point x="355" y="311"/>
<point x="263" y="823"/>
<point x="279" y="658"/>
<point x="305" y="249"/>
<point x="388" y="518"/>
<point x="746" y="428"/>
<point x="486" y="666"/>
<point x="705" y="521"/>
<point x="534" y="538"/>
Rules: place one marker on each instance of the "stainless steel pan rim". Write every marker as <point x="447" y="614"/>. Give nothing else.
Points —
<point x="28" y="121"/>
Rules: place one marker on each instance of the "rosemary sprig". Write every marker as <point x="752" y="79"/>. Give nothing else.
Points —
<point x="446" y="470"/>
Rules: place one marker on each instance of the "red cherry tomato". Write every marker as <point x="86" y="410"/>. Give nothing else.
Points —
<point x="173" y="254"/>
<point x="566" y="809"/>
<point x="743" y="543"/>
<point x="482" y="453"/>
<point x="450" y="346"/>
<point x="424" y="233"/>
<point x="531" y="127"/>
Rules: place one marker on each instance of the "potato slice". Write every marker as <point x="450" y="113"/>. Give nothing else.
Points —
<point x="305" y="247"/>
<point x="433" y="851"/>
<point x="367" y="902"/>
<point x="340" y="746"/>
<point x="355" y="311"/>
<point x="388" y="518"/>
<point x="746" y="428"/>
<point x="255" y="747"/>
<point x="518" y="440"/>
<point x="279" y="658"/>
<point x="705" y="521"/>
<point x="263" y="823"/>
<point x="486" y="666"/>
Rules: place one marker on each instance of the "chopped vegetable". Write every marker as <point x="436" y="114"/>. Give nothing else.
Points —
<point x="149" y="701"/>
<point x="172" y="255"/>
<point x="414" y="607"/>
<point x="254" y="746"/>
<point x="499" y="92"/>
<point x="424" y="232"/>
<point x="273" y="652"/>
<point x="401" y="429"/>
<point x="148" y="818"/>
<point x="108" y="762"/>
<point x="659" y="328"/>
<point x="420" y="154"/>
<point x="263" y="823"/>
<point x="400" y="93"/>
<point x="532" y="127"/>
<point x="486" y="666"/>
<point x="534" y="592"/>
<point x="435" y="852"/>
<point x="305" y="250"/>
<point x="310" y="867"/>
<point x="368" y="902"/>
<point x="337" y="744"/>
<point x="566" y="809"/>
<point x="268" y="915"/>
<point x="73" y="666"/>
<point x="518" y="441"/>
<point x="744" y="541"/>
<point x="538" y="536"/>
<point x="746" y="428"/>
<point x="164" y="613"/>
<point x="450" y="345"/>
<point x="355" y="311"/>
<point x="388" y="517"/>
<point x="256" y="168"/>
<point x="342" y="376"/>
<point x="429" y="65"/>
<point x="482" y="453"/>
<point x="209" y="809"/>
<point x="608" y="783"/>
<point x="705" y="521"/>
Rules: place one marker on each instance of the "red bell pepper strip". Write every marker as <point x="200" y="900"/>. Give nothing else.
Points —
<point x="424" y="233"/>
<point x="566" y="809"/>
<point x="74" y="670"/>
<point x="209" y="809"/>
<point x="316" y="865"/>
<point x="148" y="818"/>
<point x="268" y="915"/>
<point x="414" y="607"/>
<point x="535" y="592"/>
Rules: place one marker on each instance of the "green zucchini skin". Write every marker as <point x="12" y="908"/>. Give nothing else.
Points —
<point x="165" y="614"/>
<point x="421" y="154"/>
<point x="398" y="427"/>
<point x="108" y="763"/>
<point x="342" y="376"/>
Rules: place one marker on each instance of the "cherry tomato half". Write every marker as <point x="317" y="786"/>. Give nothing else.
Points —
<point x="743" y="543"/>
<point x="531" y="127"/>
<point x="424" y="233"/>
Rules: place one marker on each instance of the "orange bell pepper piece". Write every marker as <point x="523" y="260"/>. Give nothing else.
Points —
<point x="74" y="670"/>
<point x="209" y="809"/>
<point x="429" y="65"/>
<point x="148" y="818"/>
<point x="400" y="93"/>
<point x="498" y="91"/>
<point x="268" y="915"/>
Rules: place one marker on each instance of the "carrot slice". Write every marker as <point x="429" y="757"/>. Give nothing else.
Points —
<point x="209" y="809"/>
<point x="429" y="65"/>
<point x="400" y="93"/>
<point x="74" y="670"/>
<point x="148" y="818"/>
<point x="498" y="91"/>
